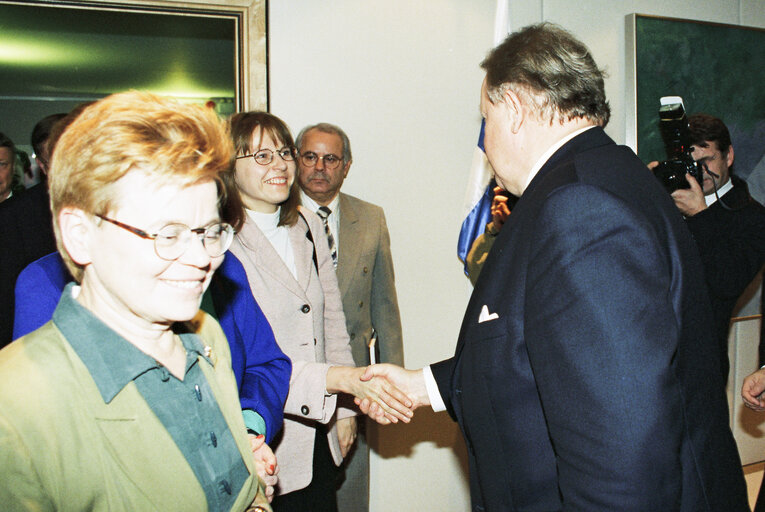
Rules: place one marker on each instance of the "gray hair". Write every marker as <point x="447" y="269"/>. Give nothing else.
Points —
<point x="552" y="70"/>
<point x="327" y="128"/>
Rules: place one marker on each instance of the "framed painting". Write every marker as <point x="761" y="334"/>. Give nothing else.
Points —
<point x="55" y="55"/>
<point x="717" y="69"/>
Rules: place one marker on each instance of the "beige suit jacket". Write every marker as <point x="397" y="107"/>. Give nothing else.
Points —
<point x="306" y="315"/>
<point x="365" y="276"/>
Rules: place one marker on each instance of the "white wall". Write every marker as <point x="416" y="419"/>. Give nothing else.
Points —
<point x="402" y="78"/>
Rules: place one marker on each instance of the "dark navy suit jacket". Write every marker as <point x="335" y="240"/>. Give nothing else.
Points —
<point x="597" y="386"/>
<point x="261" y="369"/>
<point x="26" y="234"/>
<point x="731" y="241"/>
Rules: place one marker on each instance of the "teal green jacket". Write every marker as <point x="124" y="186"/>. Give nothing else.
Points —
<point x="62" y="448"/>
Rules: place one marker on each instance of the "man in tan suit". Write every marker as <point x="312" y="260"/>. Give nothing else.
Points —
<point x="360" y="246"/>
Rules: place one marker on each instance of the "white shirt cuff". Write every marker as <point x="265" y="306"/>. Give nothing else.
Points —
<point x="434" y="395"/>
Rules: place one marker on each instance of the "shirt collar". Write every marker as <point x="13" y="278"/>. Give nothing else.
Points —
<point x="113" y="362"/>
<point x="265" y="221"/>
<point x="313" y="205"/>
<point x="712" y="198"/>
<point x="551" y="151"/>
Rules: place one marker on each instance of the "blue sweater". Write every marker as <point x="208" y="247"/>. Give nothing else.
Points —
<point x="261" y="369"/>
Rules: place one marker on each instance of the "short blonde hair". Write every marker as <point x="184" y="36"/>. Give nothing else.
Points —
<point x="171" y="141"/>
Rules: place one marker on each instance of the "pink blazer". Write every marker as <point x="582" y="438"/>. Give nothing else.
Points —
<point x="307" y="318"/>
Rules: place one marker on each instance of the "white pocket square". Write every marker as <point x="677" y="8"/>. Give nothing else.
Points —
<point x="485" y="316"/>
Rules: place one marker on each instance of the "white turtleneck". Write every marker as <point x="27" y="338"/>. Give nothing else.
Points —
<point x="277" y="235"/>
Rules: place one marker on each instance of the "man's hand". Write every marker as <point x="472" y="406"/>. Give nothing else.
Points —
<point x="411" y="382"/>
<point x="265" y="463"/>
<point x="499" y="210"/>
<point x="346" y="434"/>
<point x="690" y="201"/>
<point x="752" y="389"/>
<point x="393" y="403"/>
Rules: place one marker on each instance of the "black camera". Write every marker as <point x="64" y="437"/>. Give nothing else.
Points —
<point x="676" y="134"/>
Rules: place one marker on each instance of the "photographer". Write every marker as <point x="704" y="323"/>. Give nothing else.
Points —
<point x="727" y="224"/>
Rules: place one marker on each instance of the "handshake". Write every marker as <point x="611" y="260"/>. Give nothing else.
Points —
<point x="385" y="392"/>
<point x="388" y="393"/>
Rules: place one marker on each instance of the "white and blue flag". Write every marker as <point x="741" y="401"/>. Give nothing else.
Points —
<point x="477" y="200"/>
<point x="479" y="190"/>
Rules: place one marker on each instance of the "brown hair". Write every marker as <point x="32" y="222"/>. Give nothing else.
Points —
<point x="40" y="135"/>
<point x="242" y="126"/>
<point x="57" y="130"/>
<point x="170" y="141"/>
<point x="704" y="127"/>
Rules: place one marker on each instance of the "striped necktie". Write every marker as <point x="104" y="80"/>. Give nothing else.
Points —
<point x="324" y="212"/>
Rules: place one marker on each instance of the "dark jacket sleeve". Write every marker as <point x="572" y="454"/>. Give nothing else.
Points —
<point x="731" y="244"/>
<point x="762" y="325"/>
<point x="442" y="374"/>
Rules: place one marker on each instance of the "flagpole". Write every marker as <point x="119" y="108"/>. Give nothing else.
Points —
<point x="501" y="21"/>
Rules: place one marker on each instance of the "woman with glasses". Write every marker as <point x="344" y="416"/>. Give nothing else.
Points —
<point x="286" y="256"/>
<point x="261" y="369"/>
<point x="126" y="399"/>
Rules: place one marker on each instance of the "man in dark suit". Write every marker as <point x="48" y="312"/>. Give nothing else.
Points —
<point x="361" y="247"/>
<point x="585" y="375"/>
<point x="26" y="229"/>
<point x="727" y="224"/>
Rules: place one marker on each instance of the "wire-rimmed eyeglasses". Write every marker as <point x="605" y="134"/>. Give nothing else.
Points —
<point x="266" y="156"/>
<point x="310" y="159"/>
<point x="172" y="240"/>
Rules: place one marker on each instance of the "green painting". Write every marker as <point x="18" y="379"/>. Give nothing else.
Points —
<point x="717" y="69"/>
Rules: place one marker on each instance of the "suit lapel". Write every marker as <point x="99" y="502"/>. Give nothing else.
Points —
<point x="351" y="233"/>
<point x="264" y="257"/>
<point x="510" y="242"/>
<point x="303" y="250"/>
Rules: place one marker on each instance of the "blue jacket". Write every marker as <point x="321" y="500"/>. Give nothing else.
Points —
<point x="261" y="369"/>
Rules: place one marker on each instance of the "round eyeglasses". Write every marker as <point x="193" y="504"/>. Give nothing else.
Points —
<point x="310" y="159"/>
<point x="172" y="240"/>
<point x="266" y="156"/>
